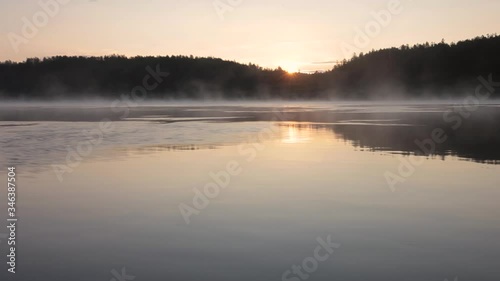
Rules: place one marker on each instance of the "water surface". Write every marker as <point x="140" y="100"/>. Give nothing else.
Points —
<point x="307" y="171"/>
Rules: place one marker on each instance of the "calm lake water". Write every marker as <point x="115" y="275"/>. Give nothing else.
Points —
<point x="250" y="191"/>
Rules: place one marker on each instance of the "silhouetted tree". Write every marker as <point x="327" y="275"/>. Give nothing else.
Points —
<point x="440" y="69"/>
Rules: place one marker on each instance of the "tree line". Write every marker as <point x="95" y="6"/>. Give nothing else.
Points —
<point x="422" y="70"/>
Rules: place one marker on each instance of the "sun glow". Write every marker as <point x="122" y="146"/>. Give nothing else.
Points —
<point x="290" y="67"/>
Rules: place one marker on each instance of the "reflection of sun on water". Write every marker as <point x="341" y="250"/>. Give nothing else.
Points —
<point x="303" y="142"/>
<point x="295" y="134"/>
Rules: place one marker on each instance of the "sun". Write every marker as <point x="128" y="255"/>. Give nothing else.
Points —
<point x="290" y="67"/>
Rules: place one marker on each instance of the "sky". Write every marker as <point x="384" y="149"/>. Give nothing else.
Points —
<point x="306" y="35"/>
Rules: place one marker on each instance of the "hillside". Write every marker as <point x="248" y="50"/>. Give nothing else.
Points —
<point x="423" y="70"/>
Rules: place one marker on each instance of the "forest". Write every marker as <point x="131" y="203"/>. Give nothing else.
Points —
<point x="427" y="70"/>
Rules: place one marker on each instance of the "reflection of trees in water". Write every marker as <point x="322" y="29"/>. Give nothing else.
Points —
<point x="159" y="148"/>
<point x="376" y="128"/>
<point x="478" y="145"/>
<point x="477" y="139"/>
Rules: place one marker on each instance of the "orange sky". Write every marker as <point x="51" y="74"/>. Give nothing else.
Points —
<point x="296" y="35"/>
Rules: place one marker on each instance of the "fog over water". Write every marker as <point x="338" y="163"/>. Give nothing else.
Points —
<point x="409" y="190"/>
